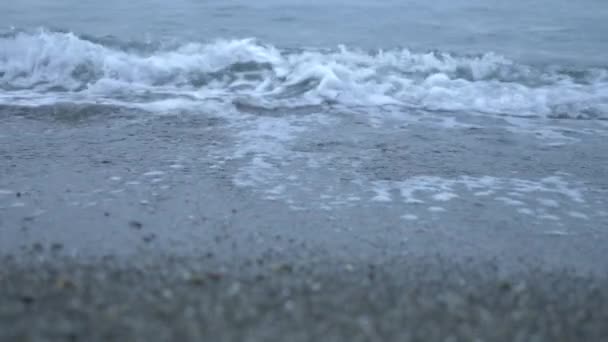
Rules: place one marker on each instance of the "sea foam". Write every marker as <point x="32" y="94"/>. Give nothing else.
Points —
<point x="46" y="67"/>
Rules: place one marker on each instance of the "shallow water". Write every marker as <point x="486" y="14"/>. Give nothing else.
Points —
<point x="362" y="121"/>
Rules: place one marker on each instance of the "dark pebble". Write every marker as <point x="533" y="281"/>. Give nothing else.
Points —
<point x="135" y="224"/>
<point x="149" y="238"/>
<point x="56" y="247"/>
<point x="27" y="300"/>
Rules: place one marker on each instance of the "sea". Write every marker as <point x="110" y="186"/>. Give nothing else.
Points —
<point x="410" y="114"/>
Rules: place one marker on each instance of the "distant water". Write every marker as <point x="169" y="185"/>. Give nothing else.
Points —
<point x="571" y="32"/>
<point x="546" y="58"/>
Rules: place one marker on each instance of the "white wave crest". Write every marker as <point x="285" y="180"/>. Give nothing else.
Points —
<point x="50" y="66"/>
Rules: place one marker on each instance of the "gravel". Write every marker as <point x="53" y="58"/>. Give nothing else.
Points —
<point x="54" y="298"/>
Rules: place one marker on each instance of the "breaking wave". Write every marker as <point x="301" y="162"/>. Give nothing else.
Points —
<point x="44" y="67"/>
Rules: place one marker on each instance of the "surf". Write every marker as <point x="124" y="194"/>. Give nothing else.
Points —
<point x="43" y="67"/>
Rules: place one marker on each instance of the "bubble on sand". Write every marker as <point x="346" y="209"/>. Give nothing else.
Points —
<point x="525" y="211"/>
<point x="154" y="173"/>
<point x="444" y="196"/>
<point x="548" y="217"/>
<point x="556" y="232"/>
<point x="509" y="201"/>
<point x="548" y="202"/>
<point x="382" y="193"/>
<point x="578" y="215"/>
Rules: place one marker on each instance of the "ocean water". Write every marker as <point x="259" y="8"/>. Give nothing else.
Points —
<point x="546" y="59"/>
<point x="416" y="110"/>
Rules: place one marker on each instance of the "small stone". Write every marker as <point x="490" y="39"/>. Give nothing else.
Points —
<point x="135" y="224"/>
<point x="27" y="300"/>
<point x="283" y="268"/>
<point x="56" y="247"/>
<point x="197" y="280"/>
<point x="64" y="283"/>
<point x="214" y="276"/>
<point x="37" y="247"/>
<point x="149" y="238"/>
<point x="505" y="286"/>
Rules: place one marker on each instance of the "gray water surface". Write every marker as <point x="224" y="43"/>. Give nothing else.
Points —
<point x="544" y="31"/>
<point x="363" y="130"/>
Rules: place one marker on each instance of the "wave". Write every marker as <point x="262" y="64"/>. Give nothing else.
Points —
<point x="45" y="66"/>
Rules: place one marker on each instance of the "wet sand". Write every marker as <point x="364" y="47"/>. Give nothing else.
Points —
<point x="158" y="229"/>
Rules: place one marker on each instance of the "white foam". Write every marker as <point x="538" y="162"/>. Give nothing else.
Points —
<point x="264" y="143"/>
<point x="409" y="217"/>
<point x="484" y="193"/>
<point x="444" y="196"/>
<point x="34" y="64"/>
<point x="277" y="190"/>
<point x="436" y="209"/>
<point x="515" y="194"/>
<point x="556" y="232"/>
<point x="578" y="215"/>
<point x="4" y="192"/>
<point x="549" y="217"/>
<point x="414" y="190"/>
<point x="154" y="173"/>
<point x="509" y="201"/>
<point x="548" y="202"/>
<point x="382" y="193"/>
<point x="267" y="135"/>
<point x="525" y="211"/>
<point x="38" y="212"/>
